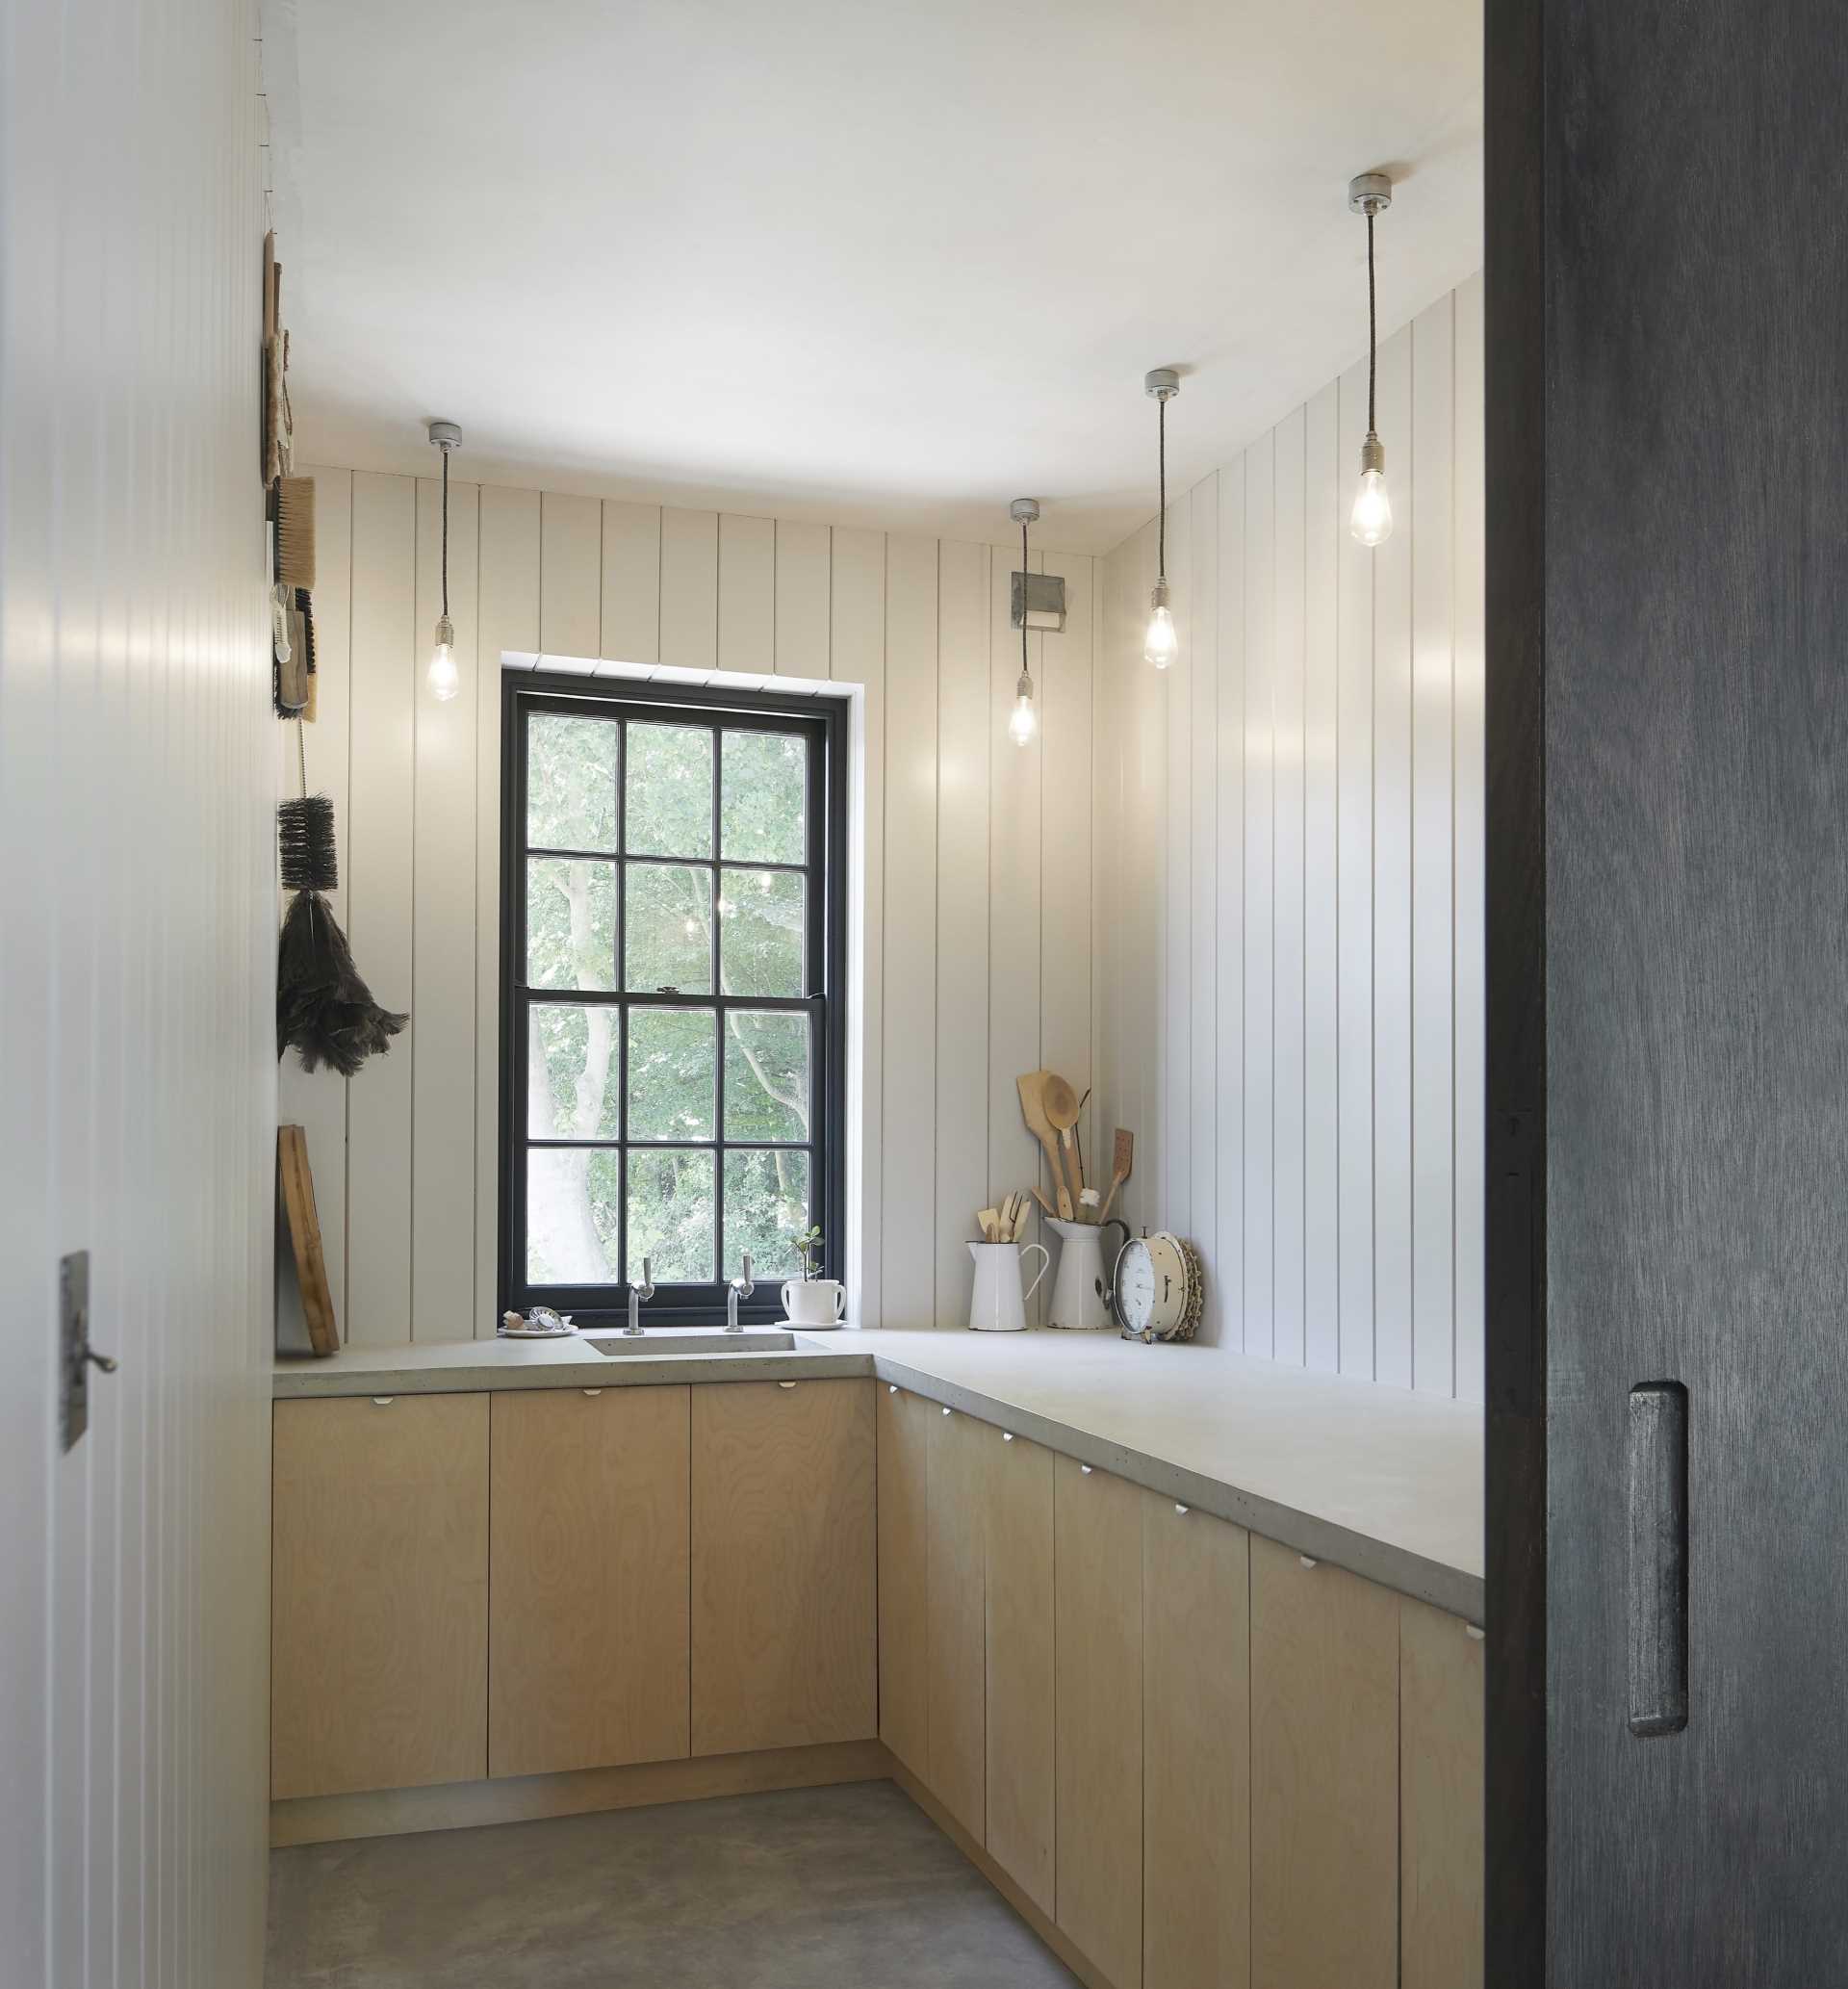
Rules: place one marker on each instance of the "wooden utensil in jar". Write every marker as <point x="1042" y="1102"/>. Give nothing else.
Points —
<point x="1033" y="1108"/>
<point x="1121" y="1166"/>
<point x="1061" y="1103"/>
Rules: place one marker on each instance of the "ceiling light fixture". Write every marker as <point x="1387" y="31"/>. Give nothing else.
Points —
<point x="1372" y="523"/>
<point x="1160" y="645"/>
<point x="1023" y="724"/>
<point x="443" y="678"/>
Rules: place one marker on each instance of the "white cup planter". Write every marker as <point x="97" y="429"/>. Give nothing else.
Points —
<point x="816" y="1303"/>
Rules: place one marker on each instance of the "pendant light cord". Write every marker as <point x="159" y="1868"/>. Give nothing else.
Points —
<point x="1024" y="671"/>
<point x="1161" y="516"/>
<point x="446" y="529"/>
<point x="1372" y="333"/>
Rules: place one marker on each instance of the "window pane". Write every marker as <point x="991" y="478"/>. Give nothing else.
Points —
<point x="571" y="782"/>
<point x="669" y="801"/>
<point x="572" y="1215"/>
<point x="762" y="796"/>
<point x="669" y="920"/>
<point x="760" y="931"/>
<point x="766" y="1208"/>
<point x="767" y="1076"/>
<point x="573" y="1080"/>
<point x="571" y="924"/>
<point x="673" y="1056"/>
<point x="671" y="1216"/>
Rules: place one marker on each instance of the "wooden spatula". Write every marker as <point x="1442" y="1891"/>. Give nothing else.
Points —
<point x="1122" y="1165"/>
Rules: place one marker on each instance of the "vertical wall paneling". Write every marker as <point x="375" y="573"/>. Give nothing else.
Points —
<point x="570" y="576"/>
<point x="1290" y="1012"/>
<point x="908" y="1220"/>
<point x="1260" y="894"/>
<point x="378" y="861"/>
<point x="1354" y="895"/>
<point x="747" y="595"/>
<point x="1014" y="774"/>
<point x="1392" y="794"/>
<point x="443" y="983"/>
<point x="507" y="618"/>
<point x="631" y="607"/>
<point x="1203" y="850"/>
<point x="965" y="743"/>
<point x="1471" y="814"/>
<point x="1433" y="1210"/>
<point x="689" y="589"/>
<point x="1323" y="529"/>
<point x="803" y="562"/>
<point x="1287" y="1002"/>
<point x="857" y="655"/>
<point x="316" y="1103"/>
<point x="1064" y="693"/>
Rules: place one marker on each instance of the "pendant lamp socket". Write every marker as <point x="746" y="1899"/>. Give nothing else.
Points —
<point x="1370" y="193"/>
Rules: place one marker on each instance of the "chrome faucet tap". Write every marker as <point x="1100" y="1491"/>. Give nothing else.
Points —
<point x="740" y="1287"/>
<point x="637" y="1295"/>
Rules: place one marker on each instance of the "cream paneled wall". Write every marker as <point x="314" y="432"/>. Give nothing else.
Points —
<point x="974" y="904"/>
<point x="138" y="949"/>
<point x="1289" y="993"/>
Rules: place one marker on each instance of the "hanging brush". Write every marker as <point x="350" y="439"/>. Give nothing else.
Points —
<point x="323" y="1008"/>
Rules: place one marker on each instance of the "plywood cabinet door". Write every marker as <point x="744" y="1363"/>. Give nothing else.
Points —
<point x="379" y="1596"/>
<point x="1440" y="1796"/>
<point x="785" y="1565"/>
<point x="1020" y="1728"/>
<point x="1098" y="1715"/>
<point x="1324" y="1775"/>
<point x="904" y="1493"/>
<point x="956" y="1586"/>
<point x="588" y="1612"/>
<point x="1196" y="1775"/>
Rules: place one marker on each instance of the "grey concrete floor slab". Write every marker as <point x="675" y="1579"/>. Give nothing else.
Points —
<point x="800" y="1890"/>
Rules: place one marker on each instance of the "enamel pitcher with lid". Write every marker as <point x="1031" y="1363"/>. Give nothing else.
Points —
<point x="1080" y="1293"/>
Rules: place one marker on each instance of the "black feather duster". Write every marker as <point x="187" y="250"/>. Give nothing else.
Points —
<point x="323" y="1008"/>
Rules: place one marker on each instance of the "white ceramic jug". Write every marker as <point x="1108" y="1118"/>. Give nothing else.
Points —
<point x="1079" y="1289"/>
<point x="997" y="1305"/>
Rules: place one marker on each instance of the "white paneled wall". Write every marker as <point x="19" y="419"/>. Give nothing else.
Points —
<point x="137" y="994"/>
<point x="973" y="892"/>
<point x="1289" y="884"/>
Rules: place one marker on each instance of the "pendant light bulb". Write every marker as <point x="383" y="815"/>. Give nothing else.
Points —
<point x="1025" y="722"/>
<point x="1162" y="642"/>
<point x="1372" y="519"/>
<point x="443" y="678"/>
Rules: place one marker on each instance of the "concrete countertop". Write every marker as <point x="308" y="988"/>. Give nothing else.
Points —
<point x="1376" y="1480"/>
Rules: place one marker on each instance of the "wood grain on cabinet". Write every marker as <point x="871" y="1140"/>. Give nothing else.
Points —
<point x="904" y="1619"/>
<point x="1197" y="1755"/>
<point x="1098" y="1713"/>
<point x="785" y="1565"/>
<point x="956" y="1587"/>
<point x="1020" y="1734"/>
<point x="1440" y="1800"/>
<point x="379" y="1604"/>
<point x="588" y="1651"/>
<point x="1325" y="1774"/>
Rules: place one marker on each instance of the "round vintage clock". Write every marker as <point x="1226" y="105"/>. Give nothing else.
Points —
<point x="1158" y="1288"/>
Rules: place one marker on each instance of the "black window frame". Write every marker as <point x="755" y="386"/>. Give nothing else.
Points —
<point x="823" y="722"/>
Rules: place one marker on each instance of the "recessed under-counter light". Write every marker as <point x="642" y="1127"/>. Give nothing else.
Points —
<point x="1160" y="645"/>
<point x="1371" y="522"/>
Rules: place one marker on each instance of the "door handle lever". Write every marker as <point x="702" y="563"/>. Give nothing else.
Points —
<point x="1657" y="1558"/>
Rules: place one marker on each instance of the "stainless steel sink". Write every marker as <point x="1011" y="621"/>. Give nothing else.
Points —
<point x="696" y="1339"/>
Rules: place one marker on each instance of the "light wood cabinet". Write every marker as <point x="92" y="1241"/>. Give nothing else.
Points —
<point x="1098" y="1713"/>
<point x="588" y="1648"/>
<point x="379" y="1595"/>
<point x="956" y="1585"/>
<point x="904" y="1615"/>
<point x="1021" y="1740"/>
<point x="785" y="1565"/>
<point x="1324" y="1775"/>
<point x="1440" y="1800"/>
<point x="1196" y="1731"/>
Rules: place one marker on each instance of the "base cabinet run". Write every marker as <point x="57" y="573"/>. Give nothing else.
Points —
<point x="1250" y="1771"/>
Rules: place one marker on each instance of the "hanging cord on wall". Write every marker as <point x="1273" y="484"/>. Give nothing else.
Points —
<point x="1373" y="337"/>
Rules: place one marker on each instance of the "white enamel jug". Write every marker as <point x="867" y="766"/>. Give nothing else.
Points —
<point x="1079" y="1290"/>
<point x="997" y="1305"/>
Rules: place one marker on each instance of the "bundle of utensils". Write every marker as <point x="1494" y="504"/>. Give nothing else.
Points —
<point x="1052" y="1108"/>
<point x="1007" y="1224"/>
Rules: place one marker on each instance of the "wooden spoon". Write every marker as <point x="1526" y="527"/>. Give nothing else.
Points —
<point x="1061" y="1109"/>
<point x="1033" y="1108"/>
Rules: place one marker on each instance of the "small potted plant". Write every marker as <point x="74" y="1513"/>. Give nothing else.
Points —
<point x="809" y="1301"/>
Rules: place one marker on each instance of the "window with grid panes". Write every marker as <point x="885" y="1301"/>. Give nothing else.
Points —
<point x="672" y="1026"/>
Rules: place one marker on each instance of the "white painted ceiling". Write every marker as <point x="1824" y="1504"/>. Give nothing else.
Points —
<point x="882" y="261"/>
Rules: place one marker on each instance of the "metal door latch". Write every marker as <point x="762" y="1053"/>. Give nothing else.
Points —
<point x="76" y="1357"/>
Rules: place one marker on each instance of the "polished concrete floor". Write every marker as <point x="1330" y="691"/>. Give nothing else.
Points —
<point x="808" y="1889"/>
